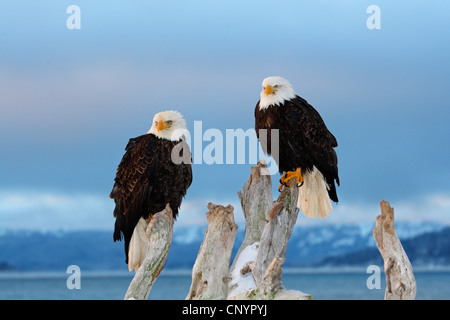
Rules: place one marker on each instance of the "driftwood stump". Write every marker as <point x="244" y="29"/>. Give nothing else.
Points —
<point x="257" y="267"/>
<point x="400" y="281"/>
<point x="159" y="232"/>
<point x="210" y="271"/>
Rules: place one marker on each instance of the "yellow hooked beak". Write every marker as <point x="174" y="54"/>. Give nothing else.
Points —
<point x="160" y="126"/>
<point x="269" y="90"/>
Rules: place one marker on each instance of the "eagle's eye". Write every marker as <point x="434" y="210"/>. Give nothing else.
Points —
<point x="169" y="122"/>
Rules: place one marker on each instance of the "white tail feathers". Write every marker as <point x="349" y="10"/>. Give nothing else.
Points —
<point x="139" y="245"/>
<point x="313" y="198"/>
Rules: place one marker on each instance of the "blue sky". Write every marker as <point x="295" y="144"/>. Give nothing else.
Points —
<point x="71" y="99"/>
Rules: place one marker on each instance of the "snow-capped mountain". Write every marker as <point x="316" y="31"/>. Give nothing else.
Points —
<point x="95" y="250"/>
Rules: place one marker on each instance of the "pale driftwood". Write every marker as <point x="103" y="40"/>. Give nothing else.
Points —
<point x="256" y="201"/>
<point x="276" y="234"/>
<point x="159" y="232"/>
<point x="257" y="268"/>
<point x="210" y="271"/>
<point x="400" y="281"/>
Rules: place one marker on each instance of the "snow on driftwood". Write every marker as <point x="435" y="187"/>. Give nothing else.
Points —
<point x="241" y="279"/>
<point x="400" y="281"/>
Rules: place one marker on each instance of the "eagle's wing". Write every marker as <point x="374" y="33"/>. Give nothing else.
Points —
<point x="187" y="172"/>
<point x="133" y="185"/>
<point x="313" y="138"/>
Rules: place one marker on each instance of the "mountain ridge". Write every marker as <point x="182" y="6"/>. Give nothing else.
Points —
<point x="309" y="246"/>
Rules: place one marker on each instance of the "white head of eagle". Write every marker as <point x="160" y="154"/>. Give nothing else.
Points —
<point x="169" y="125"/>
<point x="275" y="91"/>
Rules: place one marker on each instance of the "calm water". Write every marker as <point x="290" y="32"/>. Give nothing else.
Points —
<point x="330" y="286"/>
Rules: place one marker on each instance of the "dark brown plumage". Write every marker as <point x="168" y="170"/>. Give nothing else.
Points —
<point x="146" y="181"/>
<point x="304" y="140"/>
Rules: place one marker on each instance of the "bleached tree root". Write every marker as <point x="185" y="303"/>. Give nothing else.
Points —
<point x="400" y="281"/>
<point x="159" y="232"/>
<point x="210" y="271"/>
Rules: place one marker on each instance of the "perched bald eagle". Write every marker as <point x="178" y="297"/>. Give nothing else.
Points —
<point x="306" y="147"/>
<point x="147" y="179"/>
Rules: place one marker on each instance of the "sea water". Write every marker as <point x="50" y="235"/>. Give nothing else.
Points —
<point x="175" y="285"/>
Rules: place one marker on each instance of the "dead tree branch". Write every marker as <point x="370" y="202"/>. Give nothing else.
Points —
<point x="400" y="281"/>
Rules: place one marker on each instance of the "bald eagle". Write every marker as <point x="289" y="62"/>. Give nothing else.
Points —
<point x="147" y="179"/>
<point x="306" y="147"/>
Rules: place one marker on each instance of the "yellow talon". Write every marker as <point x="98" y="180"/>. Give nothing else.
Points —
<point x="282" y="182"/>
<point x="289" y="175"/>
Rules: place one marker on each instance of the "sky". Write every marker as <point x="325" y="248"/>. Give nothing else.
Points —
<point x="71" y="98"/>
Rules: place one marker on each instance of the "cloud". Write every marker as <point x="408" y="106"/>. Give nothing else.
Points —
<point x="98" y="97"/>
<point x="431" y="207"/>
<point x="67" y="95"/>
<point x="37" y="210"/>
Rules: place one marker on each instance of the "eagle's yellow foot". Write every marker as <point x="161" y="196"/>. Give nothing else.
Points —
<point x="289" y="175"/>
<point x="282" y="182"/>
